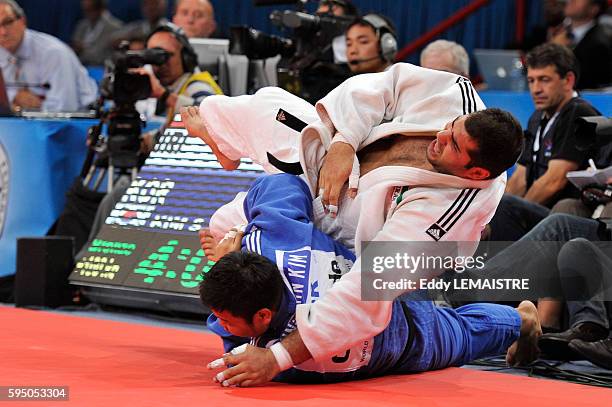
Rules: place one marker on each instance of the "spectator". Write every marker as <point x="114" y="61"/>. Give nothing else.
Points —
<point x="448" y="56"/>
<point x="136" y="32"/>
<point x="44" y="72"/>
<point x="371" y="44"/>
<point x="591" y="42"/>
<point x="91" y="38"/>
<point x="195" y="17"/>
<point x="550" y="146"/>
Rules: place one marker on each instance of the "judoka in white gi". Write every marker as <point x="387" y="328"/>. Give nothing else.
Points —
<point x="395" y="202"/>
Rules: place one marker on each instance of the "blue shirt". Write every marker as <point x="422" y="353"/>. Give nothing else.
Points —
<point x="44" y="59"/>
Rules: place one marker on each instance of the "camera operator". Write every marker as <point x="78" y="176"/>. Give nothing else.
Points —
<point x="174" y="84"/>
<point x="178" y="82"/>
<point x="371" y="44"/>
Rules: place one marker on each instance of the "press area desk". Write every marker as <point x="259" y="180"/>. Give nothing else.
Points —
<point x="39" y="159"/>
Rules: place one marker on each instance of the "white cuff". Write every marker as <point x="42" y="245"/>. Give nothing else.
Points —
<point x="283" y="358"/>
<point x="339" y="138"/>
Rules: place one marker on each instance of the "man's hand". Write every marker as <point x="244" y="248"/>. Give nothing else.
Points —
<point x="334" y="174"/>
<point x="26" y="99"/>
<point x="252" y="367"/>
<point x="157" y="89"/>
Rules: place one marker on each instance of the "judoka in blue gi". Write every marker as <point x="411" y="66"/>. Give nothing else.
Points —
<point x="252" y="302"/>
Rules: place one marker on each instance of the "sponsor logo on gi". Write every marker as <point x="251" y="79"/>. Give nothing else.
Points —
<point x="436" y="232"/>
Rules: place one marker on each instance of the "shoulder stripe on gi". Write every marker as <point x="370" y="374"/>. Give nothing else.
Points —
<point x="253" y="241"/>
<point x="452" y="214"/>
<point x="467" y="95"/>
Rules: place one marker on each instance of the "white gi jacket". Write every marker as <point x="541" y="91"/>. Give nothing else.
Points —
<point x="405" y="99"/>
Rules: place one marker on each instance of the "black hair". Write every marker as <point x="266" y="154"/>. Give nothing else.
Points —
<point x="242" y="283"/>
<point x="499" y="137"/>
<point x="549" y="54"/>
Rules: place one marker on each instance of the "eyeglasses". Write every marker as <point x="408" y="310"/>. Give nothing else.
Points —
<point x="8" y="22"/>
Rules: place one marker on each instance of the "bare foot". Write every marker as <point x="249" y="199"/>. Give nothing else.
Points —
<point x="195" y="128"/>
<point x="525" y="349"/>
<point x="215" y="250"/>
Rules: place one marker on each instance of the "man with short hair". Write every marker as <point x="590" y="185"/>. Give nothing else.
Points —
<point x="254" y="294"/>
<point x="550" y="148"/>
<point x="45" y="74"/>
<point x="447" y="56"/>
<point x="196" y="17"/>
<point x="91" y="37"/>
<point x="364" y="42"/>
<point x="590" y="41"/>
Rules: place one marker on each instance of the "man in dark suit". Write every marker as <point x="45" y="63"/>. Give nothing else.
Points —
<point x="591" y="42"/>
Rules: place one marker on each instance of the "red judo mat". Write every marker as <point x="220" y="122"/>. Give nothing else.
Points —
<point x="110" y="363"/>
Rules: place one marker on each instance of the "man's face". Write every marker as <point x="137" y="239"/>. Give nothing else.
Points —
<point x="173" y="68"/>
<point x="580" y="9"/>
<point x="440" y="62"/>
<point x="330" y="7"/>
<point x="195" y="17"/>
<point x="362" y="45"/>
<point x="239" y="326"/>
<point x="547" y="88"/>
<point x="449" y="152"/>
<point x="12" y="29"/>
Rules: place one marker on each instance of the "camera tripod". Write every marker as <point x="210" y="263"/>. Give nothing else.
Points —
<point x="117" y="154"/>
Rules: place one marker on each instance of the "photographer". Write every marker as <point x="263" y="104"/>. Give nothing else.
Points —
<point x="176" y="83"/>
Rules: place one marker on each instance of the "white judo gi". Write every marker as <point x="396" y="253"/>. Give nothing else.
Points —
<point x="405" y="99"/>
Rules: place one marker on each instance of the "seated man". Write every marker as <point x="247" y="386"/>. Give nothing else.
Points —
<point x="45" y="74"/>
<point x="448" y="56"/>
<point x="566" y="257"/>
<point x="287" y="261"/>
<point x="196" y="17"/>
<point x="403" y="196"/>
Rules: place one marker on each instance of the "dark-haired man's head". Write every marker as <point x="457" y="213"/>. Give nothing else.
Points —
<point x="337" y="7"/>
<point x="243" y="290"/>
<point x="477" y="146"/>
<point x="552" y="72"/>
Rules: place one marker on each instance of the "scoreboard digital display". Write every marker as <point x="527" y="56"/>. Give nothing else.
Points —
<point x="150" y="240"/>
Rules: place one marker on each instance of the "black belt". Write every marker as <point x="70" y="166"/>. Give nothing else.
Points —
<point x="297" y="125"/>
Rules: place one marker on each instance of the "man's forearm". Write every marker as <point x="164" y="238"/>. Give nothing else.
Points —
<point x="542" y="191"/>
<point x="296" y="347"/>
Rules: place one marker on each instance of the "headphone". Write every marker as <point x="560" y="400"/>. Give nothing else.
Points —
<point x="387" y="42"/>
<point x="189" y="58"/>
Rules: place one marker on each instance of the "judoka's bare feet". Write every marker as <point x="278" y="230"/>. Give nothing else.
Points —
<point x="525" y="349"/>
<point x="215" y="250"/>
<point x="195" y="128"/>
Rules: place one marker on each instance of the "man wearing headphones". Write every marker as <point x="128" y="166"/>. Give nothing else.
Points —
<point x="175" y="84"/>
<point x="371" y="44"/>
<point x="178" y="82"/>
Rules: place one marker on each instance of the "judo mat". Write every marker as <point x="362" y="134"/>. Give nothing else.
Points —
<point x="111" y="363"/>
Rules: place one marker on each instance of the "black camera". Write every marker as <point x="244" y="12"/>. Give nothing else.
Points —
<point x="123" y="87"/>
<point x="307" y="66"/>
